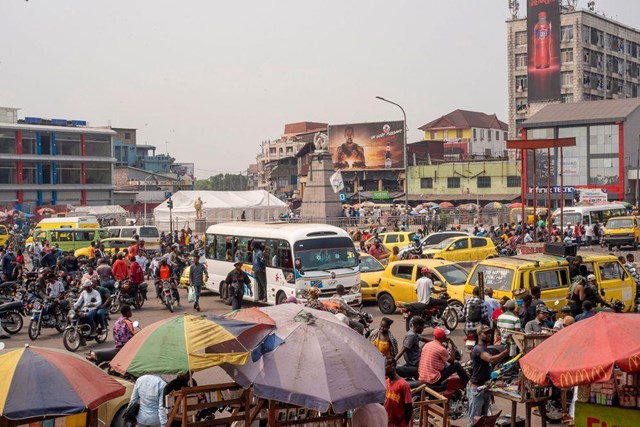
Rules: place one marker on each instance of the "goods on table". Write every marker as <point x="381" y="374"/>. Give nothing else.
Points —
<point x="620" y="390"/>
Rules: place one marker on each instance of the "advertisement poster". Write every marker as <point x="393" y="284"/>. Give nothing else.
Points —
<point x="543" y="33"/>
<point x="571" y="166"/>
<point x="184" y="171"/>
<point x="367" y="146"/>
<point x="605" y="416"/>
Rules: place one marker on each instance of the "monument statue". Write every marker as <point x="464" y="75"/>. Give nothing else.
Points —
<point x="197" y="204"/>
<point x="321" y="141"/>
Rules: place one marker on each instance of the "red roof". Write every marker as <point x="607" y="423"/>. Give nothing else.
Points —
<point x="304" y="127"/>
<point x="463" y="119"/>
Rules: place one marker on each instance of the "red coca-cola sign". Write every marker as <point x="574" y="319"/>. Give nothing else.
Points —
<point x="543" y="27"/>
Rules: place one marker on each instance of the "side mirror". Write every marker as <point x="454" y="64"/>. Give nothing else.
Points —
<point x="438" y="283"/>
<point x="136" y="324"/>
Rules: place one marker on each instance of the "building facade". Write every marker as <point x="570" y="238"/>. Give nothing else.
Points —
<point x="599" y="59"/>
<point x="468" y="134"/>
<point x="128" y="152"/>
<point x="605" y="155"/>
<point x="474" y="181"/>
<point x="42" y="163"/>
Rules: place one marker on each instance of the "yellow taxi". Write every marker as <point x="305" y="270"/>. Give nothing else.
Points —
<point x="398" y="283"/>
<point x="461" y="249"/>
<point x="111" y="246"/>
<point x="393" y="238"/>
<point x="184" y="277"/>
<point x="551" y="274"/>
<point x="622" y="230"/>
<point x="4" y="235"/>
<point x="370" y="274"/>
<point x="110" y="413"/>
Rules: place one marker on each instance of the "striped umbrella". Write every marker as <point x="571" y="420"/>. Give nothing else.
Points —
<point x="41" y="382"/>
<point x="177" y="345"/>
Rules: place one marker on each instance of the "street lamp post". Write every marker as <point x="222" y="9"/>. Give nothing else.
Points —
<point x="406" y="163"/>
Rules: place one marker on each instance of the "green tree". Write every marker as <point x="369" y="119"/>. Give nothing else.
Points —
<point x="223" y="182"/>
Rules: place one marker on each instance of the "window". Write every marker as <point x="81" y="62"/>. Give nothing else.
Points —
<point x="521" y="38"/>
<point x="497" y="136"/>
<point x="453" y="182"/>
<point x="69" y="173"/>
<point x="500" y="278"/>
<point x="403" y="272"/>
<point x="567" y="79"/>
<point x="283" y="182"/>
<point x="566" y="56"/>
<point x="458" y="133"/>
<point x="521" y="60"/>
<point x="8" y="173"/>
<point x="223" y="246"/>
<point x="478" y="243"/>
<point x="7" y="142"/>
<point x="460" y="244"/>
<point x="611" y="271"/>
<point x="522" y="83"/>
<point x="513" y="181"/>
<point x="98" y="173"/>
<point x="84" y="236"/>
<point x="391" y="238"/>
<point x="481" y="134"/>
<point x="29" y="173"/>
<point x="489" y="135"/>
<point x="98" y="145"/>
<point x="68" y="144"/>
<point x="445" y="135"/>
<point x="547" y="279"/>
<point x="566" y="33"/>
<point x="426" y="182"/>
<point x="433" y="134"/>
<point x="474" y="134"/>
<point x="566" y="97"/>
<point x="127" y="135"/>
<point x="484" y="182"/>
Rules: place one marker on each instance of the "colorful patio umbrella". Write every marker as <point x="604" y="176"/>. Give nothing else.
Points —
<point x="42" y="382"/>
<point x="586" y="351"/>
<point x="494" y="205"/>
<point x="177" y="345"/>
<point x="321" y="363"/>
<point x="42" y="211"/>
<point x="445" y="205"/>
<point x="468" y="206"/>
<point x="515" y="205"/>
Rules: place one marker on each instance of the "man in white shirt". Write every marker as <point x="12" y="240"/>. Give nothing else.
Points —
<point x="424" y="289"/>
<point x="55" y="288"/>
<point x="87" y="297"/>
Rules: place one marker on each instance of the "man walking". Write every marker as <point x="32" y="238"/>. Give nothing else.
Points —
<point x="236" y="281"/>
<point x="197" y="274"/>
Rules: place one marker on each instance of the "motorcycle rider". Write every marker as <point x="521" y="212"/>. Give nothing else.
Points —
<point x="425" y="290"/>
<point x="91" y="275"/>
<point x="165" y="272"/>
<point x="136" y="277"/>
<point x="411" y="349"/>
<point x="236" y="281"/>
<point x="416" y="249"/>
<point x="123" y="329"/>
<point x="105" y="274"/>
<point x="341" y="305"/>
<point x="438" y="363"/>
<point x="592" y="294"/>
<point x="70" y="262"/>
<point x="119" y="268"/>
<point x="89" y="297"/>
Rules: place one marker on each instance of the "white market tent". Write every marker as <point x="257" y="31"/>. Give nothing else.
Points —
<point x="102" y="212"/>
<point x="220" y="206"/>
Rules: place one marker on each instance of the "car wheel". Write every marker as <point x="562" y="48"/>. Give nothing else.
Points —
<point x="386" y="304"/>
<point x="117" y="420"/>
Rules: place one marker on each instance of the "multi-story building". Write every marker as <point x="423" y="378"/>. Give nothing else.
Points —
<point x="295" y="136"/>
<point x="252" y="177"/>
<point x="128" y="152"/>
<point x="468" y="134"/>
<point x="54" y="161"/>
<point x="599" y="59"/>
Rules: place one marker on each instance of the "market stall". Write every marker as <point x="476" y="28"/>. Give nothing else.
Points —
<point x="601" y="357"/>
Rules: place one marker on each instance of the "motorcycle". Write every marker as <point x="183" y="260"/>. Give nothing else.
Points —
<point x="434" y="316"/>
<point x="43" y="316"/>
<point x="168" y="289"/>
<point x="78" y="331"/>
<point x="102" y="358"/>
<point x="365" y="319"/>
<point x="128" y="294"/>
<point x="11" y="315"/>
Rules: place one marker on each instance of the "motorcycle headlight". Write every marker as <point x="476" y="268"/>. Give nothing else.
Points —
<point x="19" y="295"/>
<point x="71" y="315"/>
<point x="37" y="305"/>
<point x="355" y="289"/>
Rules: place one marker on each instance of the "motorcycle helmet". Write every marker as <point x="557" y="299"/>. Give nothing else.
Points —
<point x="591" y="278"/>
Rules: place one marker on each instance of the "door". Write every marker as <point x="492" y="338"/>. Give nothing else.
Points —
<point x="479" y="248"/>
<point x="614" y="280"/>
<point x="459" y="250"/>
<point x="402" y="283"/>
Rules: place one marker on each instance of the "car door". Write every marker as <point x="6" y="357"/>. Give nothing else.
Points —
<point x="402" y="283"/>
<point x="553" y="284"/>
<point x="391" y="240"/>
<point x="459" y="250"/>
<point x="615" y="281"/>
<point x="478" y="249"/>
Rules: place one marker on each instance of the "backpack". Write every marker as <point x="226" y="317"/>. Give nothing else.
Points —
<point x="474" y="312"/>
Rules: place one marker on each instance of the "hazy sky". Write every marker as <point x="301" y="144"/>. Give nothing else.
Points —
<point x="215" y="78"/>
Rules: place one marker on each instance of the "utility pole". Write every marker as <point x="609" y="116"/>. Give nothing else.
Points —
<point x="170" y="205"/>
<point x="638" y="175"/>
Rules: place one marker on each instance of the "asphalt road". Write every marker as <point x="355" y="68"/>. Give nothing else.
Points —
<point x="212" y="304"/>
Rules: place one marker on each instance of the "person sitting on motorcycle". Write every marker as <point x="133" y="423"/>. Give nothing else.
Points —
<point x="136" y="276"/>
<point x="105" y="274"/>
<point x="89" y="298"/>
<point x="312" y="299"/>
<point x="123" y="329"/>
<point x="425" y="290"/>
<point x="119" y="268"/>
<point x="103" y="308"/>
<point x="411" y="349"/>
<point x="592" y="294"/>
<point x="70" y="262"/>
<point x="341" y="305"/>
<point x="55" y="288"/>
<point x="383" y="339"/>
<point x="163" y="272"/>
<point x="415" y="251"/>
<point x="438" y="363"/>
<point x="91" y="275"/>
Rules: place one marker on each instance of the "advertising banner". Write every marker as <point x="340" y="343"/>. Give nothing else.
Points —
<point x="605" y="416"/>
<point x="571" y="166"/>
<point x="367" y="146"/>
<point x="183" y="171"/>
<point x="543" y="34"/>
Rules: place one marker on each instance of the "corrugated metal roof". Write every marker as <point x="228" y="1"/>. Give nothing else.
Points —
<point x="464" y="119"/>
<point x="586" y="112"/>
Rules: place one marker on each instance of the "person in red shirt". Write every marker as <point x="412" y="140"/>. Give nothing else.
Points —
<point x="119" y="268"/>
<point x="398" y="402"/>
<point x="136" y="275"/>
<point x="378" y="252"/>
<point x="433" y="366"/>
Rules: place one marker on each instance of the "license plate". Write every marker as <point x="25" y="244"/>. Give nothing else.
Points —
<point x="470" y="343"/>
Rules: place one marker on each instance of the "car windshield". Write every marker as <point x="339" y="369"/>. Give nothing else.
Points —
<point x="444" y="243"/>
<point x="497" y="278"/>
<point x="620" y="223"/>
<point x="326" y="253"/>
<point x="453" y="274"/>
<point x="369" y="263"/>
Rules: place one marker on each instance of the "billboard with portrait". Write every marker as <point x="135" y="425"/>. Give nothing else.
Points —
<point x="367" y="146"/>
<point x="183" y="171"/>
<point x="543" y="34"/>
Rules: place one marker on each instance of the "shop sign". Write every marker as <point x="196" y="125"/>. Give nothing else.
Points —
<point x="588" y="415"/>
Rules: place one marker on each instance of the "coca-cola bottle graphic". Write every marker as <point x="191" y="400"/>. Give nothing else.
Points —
<point x="387" y="157"/>
<point x="542" y="42"/>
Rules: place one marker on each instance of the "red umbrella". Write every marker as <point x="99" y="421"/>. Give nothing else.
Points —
<point x="445" y="205"/>
<point x="586" y="351"/>
<point x="515" y="205"/>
